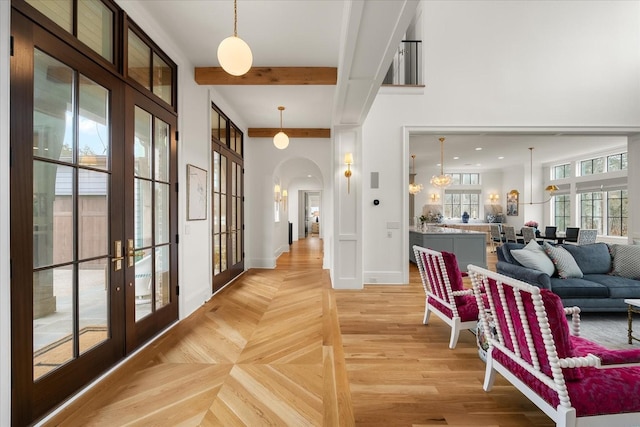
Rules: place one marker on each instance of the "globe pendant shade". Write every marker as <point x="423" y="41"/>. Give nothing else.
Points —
<point x="281" y="140"/>
<point x="235" y="56"/>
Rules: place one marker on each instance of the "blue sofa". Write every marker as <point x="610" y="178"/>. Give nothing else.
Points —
<point x="597" y="291"/>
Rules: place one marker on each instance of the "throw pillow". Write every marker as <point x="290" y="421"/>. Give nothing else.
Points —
<point x="626" y="261"/>
<point x="563" y="260"/>
<point x="533" y="256"/>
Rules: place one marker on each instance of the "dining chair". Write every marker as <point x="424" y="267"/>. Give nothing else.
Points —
<point x="528" y="234"/>
<point x="586" y="236"/>
<point x="550" y="232"/>
<point x="496" y="236"/>
<point x="509" y="233"/>
<point x="571" y="234"/>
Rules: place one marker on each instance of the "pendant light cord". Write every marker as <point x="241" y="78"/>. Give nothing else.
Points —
<point x="441" y="156"/>
<point x="235" y="18"/>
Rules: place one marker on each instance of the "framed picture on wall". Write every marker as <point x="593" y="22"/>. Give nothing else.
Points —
<point x="196" y="193"/>
<point x="512" y="203"/>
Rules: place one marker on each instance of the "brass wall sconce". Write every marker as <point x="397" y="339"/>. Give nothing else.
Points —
<point x="284" y="199"/>
<point x="348" y="160"/>
<point x="493" y="198"/>
<point x="435" y="197"/>
<point x="277" y="195"/>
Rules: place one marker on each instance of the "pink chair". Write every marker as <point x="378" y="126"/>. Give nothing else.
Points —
<point x="574" y="381"/>
<point x="445" y="293"/>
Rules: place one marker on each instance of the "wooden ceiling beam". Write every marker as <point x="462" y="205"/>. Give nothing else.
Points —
<point x="268" y="76"/>
<point x="291" y="132"/>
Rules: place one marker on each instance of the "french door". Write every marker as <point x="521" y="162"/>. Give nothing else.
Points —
<point x="93" y="209"/>
<point x="227" y="212"/>
<point x="152" y="220"/>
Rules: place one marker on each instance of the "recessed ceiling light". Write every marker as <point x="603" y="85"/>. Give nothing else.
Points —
<point x="501" y="157"/>
<point x="308" y="176"/>
<point x="455" y="157"/>
<point x="478" y="148"/>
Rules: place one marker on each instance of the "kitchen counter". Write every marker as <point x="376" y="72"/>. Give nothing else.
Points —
<point x="469" y="246"/>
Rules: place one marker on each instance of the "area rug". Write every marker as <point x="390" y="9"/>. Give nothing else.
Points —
<point x="609" y="329"/>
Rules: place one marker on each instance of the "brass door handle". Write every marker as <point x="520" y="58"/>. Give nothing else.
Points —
<point x="131" y="253"/>
<point x="117" y="259"/>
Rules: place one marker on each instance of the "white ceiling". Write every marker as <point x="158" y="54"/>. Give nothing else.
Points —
<point x="360" y="38"/>
<point x="350" y="35"/>
<point x="513" y="148"/>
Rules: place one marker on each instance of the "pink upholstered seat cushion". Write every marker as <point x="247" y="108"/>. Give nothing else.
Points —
<point x="467" y="311"/>
<point x="596" y="393"/>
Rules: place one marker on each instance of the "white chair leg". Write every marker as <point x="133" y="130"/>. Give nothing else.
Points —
<point x="566" y="417"/>
<point x="455" y="333"/>
<point x="427" y="314"/>
<point x="489" y="374"/>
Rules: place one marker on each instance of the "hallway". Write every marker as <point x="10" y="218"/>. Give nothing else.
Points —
<point x="280" y="347"/>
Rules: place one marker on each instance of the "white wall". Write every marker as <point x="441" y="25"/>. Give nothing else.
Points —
<point x="500" y="65"/>
<point x="265" y="239"/>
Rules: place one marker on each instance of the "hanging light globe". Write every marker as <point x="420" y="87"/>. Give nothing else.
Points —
<point x="235" y="56"/>
<point x="281" y="140"/>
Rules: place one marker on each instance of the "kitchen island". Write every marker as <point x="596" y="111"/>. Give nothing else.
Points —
<point x="469" y="246"/>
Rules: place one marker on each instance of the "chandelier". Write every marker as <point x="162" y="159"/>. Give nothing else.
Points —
<point x="413" y="187"/>
<point x="442" y="180"/>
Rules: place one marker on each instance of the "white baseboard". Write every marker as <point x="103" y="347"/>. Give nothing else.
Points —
<point x="383" y="278"/>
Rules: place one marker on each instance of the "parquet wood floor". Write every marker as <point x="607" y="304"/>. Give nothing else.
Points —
<point x="280" y="347"/>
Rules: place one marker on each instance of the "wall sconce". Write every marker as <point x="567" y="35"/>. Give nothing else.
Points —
<point x="276" y="193"/>
<point x="284" y="199"/>
<point x="434" y="197"/>
<point x="348" y="160"/>
<point x="493" y="198"/>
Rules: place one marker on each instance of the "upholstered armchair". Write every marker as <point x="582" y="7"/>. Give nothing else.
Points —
<point x="444" y="290"/>
<point x="574" y="381"/>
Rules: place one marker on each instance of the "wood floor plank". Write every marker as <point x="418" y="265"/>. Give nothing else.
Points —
<point x="281" y="347"/>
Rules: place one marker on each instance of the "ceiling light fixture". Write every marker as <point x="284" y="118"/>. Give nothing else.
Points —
<point x="234" y="53"/>
<point x="442" y="180"/>
<point x="413" y="187"/>
<point x="281" y="140"/>
<point x="549" y="188"/>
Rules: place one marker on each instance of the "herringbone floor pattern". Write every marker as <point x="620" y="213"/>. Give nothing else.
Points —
<point x="280" y="347"/>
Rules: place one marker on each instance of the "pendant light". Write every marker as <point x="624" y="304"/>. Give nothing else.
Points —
<point x="551" y="189"/>
<point x="281" y="140"/>
<point x="234" y="53"/>
<point x="413" y="187"/>
<point x="442" y="180"/>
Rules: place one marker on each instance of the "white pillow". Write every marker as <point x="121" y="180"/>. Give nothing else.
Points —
<point x="563" y="260"/>
<point x="534" y="256"/>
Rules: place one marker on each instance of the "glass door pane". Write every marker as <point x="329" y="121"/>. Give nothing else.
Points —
<point x="71" y="194"/>
<point x="151" y="213"/>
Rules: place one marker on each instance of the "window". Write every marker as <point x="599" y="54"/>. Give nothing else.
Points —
<point x="465" y="178"/>
<point x="562" y="211"/>
<point x="149" y="67"/>
<point x="561" y="171"/>
<point x="591" y="211"/>
<point x="95" y="22"/>
<point x="617" y="213"/>
<point x="617" y="162"/>
<point x="592" y="166"/>
<point x="455" y="203"/>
